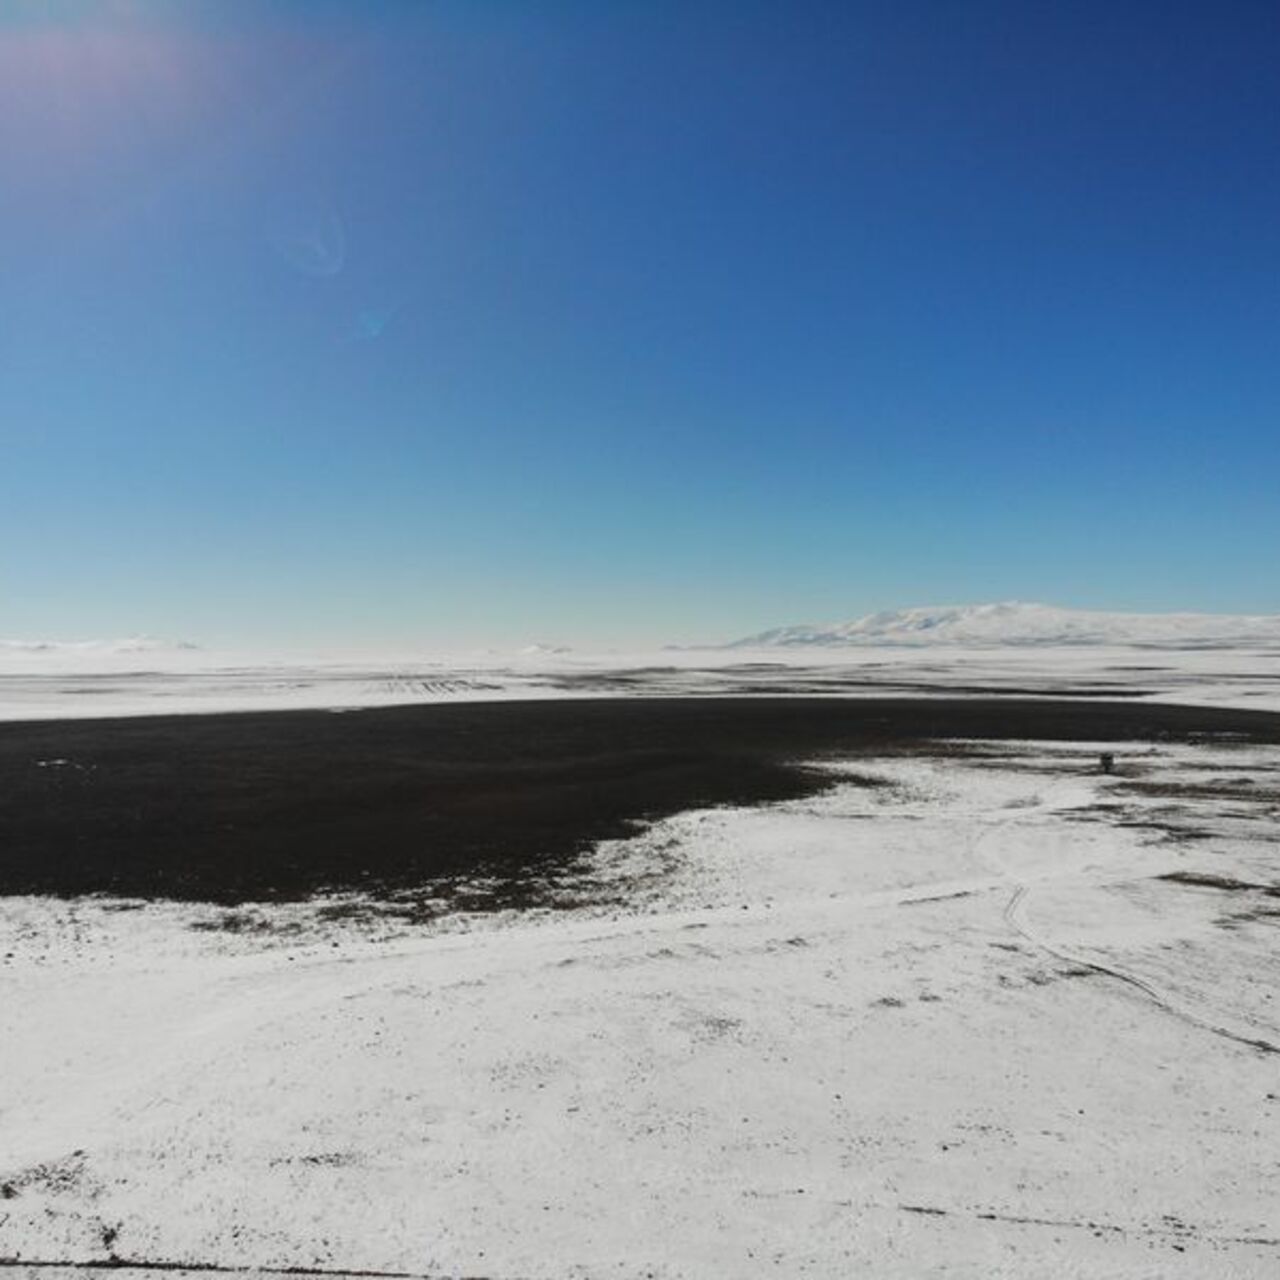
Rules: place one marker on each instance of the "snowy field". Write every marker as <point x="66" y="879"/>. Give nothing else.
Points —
<point x="53" y="682"/>
<point x="978" y="1011"/>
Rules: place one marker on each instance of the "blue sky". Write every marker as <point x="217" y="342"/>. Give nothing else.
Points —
<point x="467" y="323"/>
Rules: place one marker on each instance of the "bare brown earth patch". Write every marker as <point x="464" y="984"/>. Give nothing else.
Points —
<point x="486" y="806"/>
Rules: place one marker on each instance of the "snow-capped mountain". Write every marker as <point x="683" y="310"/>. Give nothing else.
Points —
<point x="1015" y="623"/>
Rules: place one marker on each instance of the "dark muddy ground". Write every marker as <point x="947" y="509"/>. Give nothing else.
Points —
<point x="278" y="806"/>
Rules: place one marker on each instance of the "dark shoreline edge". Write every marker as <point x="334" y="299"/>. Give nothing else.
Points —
<point x="281" y="805"/>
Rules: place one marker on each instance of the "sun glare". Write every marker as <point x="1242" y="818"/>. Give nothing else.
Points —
<point x="73" y="84"/>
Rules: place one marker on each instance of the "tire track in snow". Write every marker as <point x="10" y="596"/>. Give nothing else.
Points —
<point x="1170" y="1231"/>
<point x="1015" y="916"/>
<point x="117" y="1264"/>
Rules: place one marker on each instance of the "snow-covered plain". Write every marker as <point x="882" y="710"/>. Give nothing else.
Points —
<point x="77" y="681"/>
<point x="976" y="1012"/>
<point x="949" y="1019"/>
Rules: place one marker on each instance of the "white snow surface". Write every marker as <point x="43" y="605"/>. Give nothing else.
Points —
<point x="1016" y="623"/>
<point x="953" y="1025"/>
<point x="63" y="682"/>
<point x="988" y="649"/>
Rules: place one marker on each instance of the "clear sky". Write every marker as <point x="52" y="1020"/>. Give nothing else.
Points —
<point x="480" y="322"/>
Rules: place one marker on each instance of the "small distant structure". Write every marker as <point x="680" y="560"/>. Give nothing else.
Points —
<point x="1107" y="762"/>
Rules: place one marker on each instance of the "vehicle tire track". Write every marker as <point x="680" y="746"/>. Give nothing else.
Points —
<point x="1014" y="916"/>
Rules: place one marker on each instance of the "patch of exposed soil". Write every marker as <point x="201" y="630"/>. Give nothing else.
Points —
<point x="490" y="805"/>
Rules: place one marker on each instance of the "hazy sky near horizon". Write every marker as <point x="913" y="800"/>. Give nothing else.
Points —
<point x="480" y="322"/>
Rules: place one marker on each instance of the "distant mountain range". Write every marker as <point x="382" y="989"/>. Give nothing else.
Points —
<point x="133" y="644"/>
<point x="1019" y="624"/>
